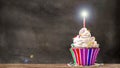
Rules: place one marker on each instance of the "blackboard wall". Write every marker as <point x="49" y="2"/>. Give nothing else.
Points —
<point x="41" y="31"/>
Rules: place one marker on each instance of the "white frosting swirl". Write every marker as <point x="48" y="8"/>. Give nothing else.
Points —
<point x="84" y="39"/>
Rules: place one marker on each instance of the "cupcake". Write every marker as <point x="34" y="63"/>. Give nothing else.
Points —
<point x="84" y="48"/>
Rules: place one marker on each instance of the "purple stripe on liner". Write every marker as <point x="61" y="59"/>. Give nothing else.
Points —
<point x="94" y="56"/>
<point x="91" y="56"/>
<point x="97" y="50"/>
<point x="82" y="56"/>
<point x="92" y="59"/>
<point x="97" y="53"/>
<point x="88" y="56"/>
<point x="86" y="53"/>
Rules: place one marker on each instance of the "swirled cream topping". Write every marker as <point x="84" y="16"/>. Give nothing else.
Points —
<point x="84" y="39"/>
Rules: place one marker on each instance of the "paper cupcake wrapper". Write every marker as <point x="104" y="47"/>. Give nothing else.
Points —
<point x="84" y="56"/>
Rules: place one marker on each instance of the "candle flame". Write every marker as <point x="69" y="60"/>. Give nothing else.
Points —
<point x="84" y="13"/>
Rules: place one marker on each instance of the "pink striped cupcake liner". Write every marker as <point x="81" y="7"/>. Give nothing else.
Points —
<point x="84" y="56"/>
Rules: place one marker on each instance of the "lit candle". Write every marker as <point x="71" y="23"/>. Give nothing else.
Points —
<point x="84" y="15"/>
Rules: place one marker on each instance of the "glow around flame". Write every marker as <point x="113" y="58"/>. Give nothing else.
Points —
<point x="84" y="13"/>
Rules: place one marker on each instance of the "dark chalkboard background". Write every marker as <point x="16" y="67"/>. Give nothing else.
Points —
<point x="44" y="29"/>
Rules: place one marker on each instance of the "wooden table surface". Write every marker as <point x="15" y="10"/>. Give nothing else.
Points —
<point x="55" y="66"/>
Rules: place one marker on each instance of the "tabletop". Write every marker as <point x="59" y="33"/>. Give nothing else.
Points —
<point x="56" y="66"/>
